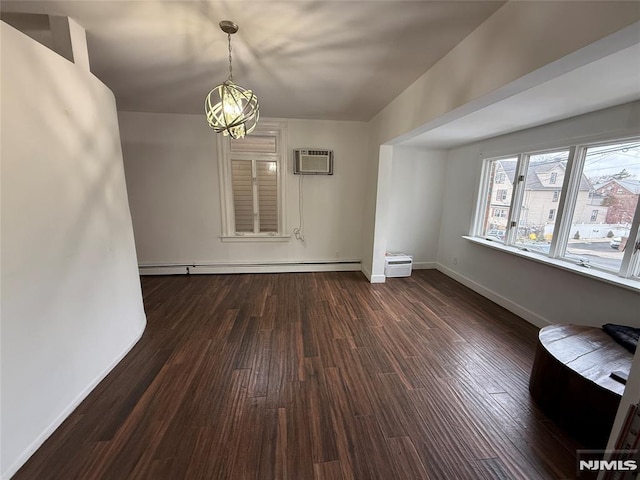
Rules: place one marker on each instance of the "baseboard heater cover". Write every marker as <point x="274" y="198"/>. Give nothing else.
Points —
<point x="397" y="265"/>
<point x="256" y="267"/>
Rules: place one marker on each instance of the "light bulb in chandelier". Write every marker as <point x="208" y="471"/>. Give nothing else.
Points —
<point x="231" y="109"/>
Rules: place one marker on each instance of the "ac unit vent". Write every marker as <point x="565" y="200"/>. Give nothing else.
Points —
<point x="312" y="162"/>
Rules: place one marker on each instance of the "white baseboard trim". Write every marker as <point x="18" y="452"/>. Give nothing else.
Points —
<point x="229" y="268"/>
<point x="383" y="278"/>
<point x="366" y="272"/>
<point x="47" y="432"/>
<point x="425" y="265"/>
<point x="513" y="307"/>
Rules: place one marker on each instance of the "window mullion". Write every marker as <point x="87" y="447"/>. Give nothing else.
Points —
<point x="634" y="264"/>
<point x="516" y="199"/>
<point x="630" y="258"/>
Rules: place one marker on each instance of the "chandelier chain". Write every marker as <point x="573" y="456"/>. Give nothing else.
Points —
<point x="230" y="68"/>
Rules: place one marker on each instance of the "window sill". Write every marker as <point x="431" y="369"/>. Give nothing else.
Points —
<point x="610" y="278"/>
<point x="254" y="238"/>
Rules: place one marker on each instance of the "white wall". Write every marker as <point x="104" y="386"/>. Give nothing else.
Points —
<point x="71" y="299"/>
<point x="540" y="293"/>
<point x="415" y="204"/>
<point x="333" y="204"/>
<point x="521" y="45"/>
<point x="172" y="176"/>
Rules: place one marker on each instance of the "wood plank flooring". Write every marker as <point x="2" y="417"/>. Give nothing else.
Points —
<point x="314" y="376"/>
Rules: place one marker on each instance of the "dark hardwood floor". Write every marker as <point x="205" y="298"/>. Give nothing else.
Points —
<point x="314" y="376"/>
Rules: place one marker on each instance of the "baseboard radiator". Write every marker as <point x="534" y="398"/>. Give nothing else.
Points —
<point x="257" y="267"/>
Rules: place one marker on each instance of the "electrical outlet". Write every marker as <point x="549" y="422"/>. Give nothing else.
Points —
<point x="454" y="260"/>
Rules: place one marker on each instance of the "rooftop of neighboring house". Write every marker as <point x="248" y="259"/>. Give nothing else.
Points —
<point x="631" y="185"/>
<point x="535" y="171"/>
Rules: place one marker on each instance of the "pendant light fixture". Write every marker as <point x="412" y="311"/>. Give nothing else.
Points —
<point x="231" y="109"/>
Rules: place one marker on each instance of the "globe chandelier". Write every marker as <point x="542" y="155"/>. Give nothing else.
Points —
<point x="231" y="109"/>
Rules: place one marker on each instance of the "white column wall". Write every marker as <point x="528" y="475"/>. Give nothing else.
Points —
<point x="71" y="298"/>
<point x="415" y="204"/>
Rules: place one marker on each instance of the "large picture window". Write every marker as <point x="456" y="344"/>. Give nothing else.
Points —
<point x="252" y="183"/>
<point x="592" y="221"/>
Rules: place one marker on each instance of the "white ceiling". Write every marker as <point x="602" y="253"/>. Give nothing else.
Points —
<point x="333" y="60"/>
<point x="338" y="60"/>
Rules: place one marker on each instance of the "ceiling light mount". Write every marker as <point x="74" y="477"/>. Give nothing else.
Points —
<point x="228" y="27"/>
<point x="231" y="109"/>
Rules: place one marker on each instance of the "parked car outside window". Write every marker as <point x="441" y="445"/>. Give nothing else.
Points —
<point x="497" y="234"/>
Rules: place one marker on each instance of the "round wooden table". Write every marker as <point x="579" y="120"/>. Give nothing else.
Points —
<point x="571" y="381"/>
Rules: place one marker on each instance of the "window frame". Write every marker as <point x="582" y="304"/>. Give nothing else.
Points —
<point x="484" y="200"/>
<point x="629" y="270"/>
<point x="225" y="158"/>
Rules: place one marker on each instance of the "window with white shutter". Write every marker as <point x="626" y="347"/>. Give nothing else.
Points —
<point x="252" y="184"/>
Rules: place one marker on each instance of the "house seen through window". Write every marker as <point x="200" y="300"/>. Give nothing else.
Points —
<point x="592" y="220"/>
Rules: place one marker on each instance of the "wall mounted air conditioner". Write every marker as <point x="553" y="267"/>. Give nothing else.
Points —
<point x="312" y="162"/>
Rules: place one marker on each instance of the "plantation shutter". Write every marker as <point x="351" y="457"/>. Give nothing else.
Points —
<point x="255" y="182"/>
<point x="242" y="183"/>
<point x="267" y="196"/>
<point x="254" y="144"/>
